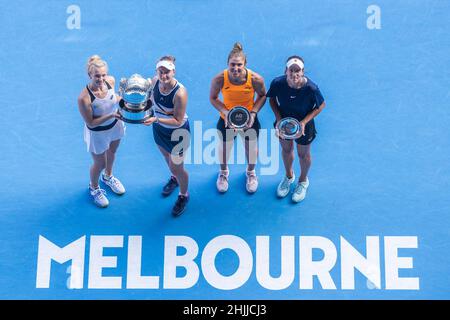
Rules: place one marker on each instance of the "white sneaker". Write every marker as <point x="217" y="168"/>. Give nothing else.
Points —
<point x="285" y="186"/>
<point x="300" y="191"/>
<point x="114" y="183"/>
<point x="222" y="181"/>
<point x="252" y="181"/>
<point x="99" y="196"/>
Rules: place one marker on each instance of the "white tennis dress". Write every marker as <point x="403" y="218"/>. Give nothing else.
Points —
<point x="99" y="138"/>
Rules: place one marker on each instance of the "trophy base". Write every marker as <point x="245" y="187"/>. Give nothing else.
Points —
<point x="136" y="115"/>
<point x="140" y="121"/>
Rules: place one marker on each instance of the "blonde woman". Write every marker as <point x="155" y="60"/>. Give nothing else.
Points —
<point x="103" y="129"/>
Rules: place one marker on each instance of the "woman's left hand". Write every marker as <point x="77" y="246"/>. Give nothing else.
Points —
<point x="149" y="121"/>
<point x="251" y="121"/>
<point x="302" y="127"/>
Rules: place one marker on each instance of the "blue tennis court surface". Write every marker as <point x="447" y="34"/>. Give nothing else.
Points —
<point x="379" y="182"/>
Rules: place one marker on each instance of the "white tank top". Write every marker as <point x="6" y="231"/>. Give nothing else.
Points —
<point x="102" y="106"/>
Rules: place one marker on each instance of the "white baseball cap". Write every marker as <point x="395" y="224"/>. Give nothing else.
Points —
<point x="295" y="61"/>
<point x="169" y="65"/>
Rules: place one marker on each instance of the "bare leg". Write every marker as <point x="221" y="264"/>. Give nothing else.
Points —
<point x="111" y="156"/>
<point x="225" y="148"/>
<point x="251" y="152"/>
<point x="287" y="153"/>
<point x="97" y="167"/>
<point x="176" y="167"/>
<point x="165" y="154"/>
<point x="304" y="154"/>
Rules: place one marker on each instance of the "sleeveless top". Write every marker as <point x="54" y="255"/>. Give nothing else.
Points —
<point x="238" y="95"/>
<point x="163" y="105"/>
<point x="102" y="106"/>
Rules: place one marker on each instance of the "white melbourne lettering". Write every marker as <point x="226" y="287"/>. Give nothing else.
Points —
<point x="370" y="265"/>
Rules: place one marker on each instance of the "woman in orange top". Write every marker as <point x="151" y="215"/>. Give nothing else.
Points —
<point x="238" y="86"/>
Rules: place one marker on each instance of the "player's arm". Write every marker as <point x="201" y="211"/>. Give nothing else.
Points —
<point x="275" y="108"/>
<point x="84" y="106"/>
<point x="313" y="113"/>
<point x="260" y="89"/>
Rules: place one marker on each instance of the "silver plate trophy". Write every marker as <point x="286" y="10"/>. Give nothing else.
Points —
<point x="238" y="117"/>
<point x="289" y="128"/>
<point x="135" y="106"/>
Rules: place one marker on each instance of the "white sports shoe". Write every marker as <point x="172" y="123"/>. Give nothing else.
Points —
<point x="300" y="191"/>
<point x="99" y="196"/>
<point x="114" y="183"/>
<point x="252" y="181"/>
<point x="222" y="181"/>
<point x="285" y="186"/>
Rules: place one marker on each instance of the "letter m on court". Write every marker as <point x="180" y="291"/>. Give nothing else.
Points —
<point x="48" y="251"/>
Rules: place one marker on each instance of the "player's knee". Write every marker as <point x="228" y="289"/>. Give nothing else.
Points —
<point x="100" y="164"/>
<point x="100" y="160"/>
<point x="175" y="169"/>
<point x="111" y="151"/>
<point x="287" y="149"/>
<point x="305" y="156"/>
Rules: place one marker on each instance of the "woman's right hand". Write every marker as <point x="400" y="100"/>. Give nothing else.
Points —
<point x="277" y="131"/>
<point x="225" y="117"/>
<point x="225" y="120"/>
<point x="117" y="115"/>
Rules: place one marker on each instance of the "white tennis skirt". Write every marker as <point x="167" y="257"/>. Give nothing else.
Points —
<point x="98" y="142"/>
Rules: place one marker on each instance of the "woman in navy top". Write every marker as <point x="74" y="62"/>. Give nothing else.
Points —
<point x="294" y="95"/>
<point x="171" y="128"/>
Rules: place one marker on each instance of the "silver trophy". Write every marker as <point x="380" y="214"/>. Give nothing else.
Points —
<point x="135" y="105"/>
<point x="238" y="117"/>
<point x="289" y="128"/>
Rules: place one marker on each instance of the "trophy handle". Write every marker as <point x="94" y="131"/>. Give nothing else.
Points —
<point x="122" y="86"/>
<point x="150" y="87"/>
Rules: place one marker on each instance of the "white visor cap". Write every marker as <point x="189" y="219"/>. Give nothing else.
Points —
<point x="295" y="61"/>
<point x="166" y="64"/>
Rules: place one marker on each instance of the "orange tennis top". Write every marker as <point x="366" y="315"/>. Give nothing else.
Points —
<point x="238" y="95"/>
